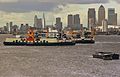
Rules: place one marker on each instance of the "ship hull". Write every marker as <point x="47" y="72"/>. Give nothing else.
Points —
<point x="85" y="41"/>
<point x="38" y="44"/>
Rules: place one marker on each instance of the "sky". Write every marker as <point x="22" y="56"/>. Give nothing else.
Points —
<point x="23" y="11"/>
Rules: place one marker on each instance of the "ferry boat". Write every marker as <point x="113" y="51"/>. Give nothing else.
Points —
<point x="32" y="40"/>
<point x="88" y="38"/>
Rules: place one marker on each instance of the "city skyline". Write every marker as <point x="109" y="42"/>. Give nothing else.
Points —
<point x="59" y="11"/>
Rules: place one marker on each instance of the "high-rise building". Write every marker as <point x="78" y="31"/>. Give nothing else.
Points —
<point x="70" y="20"/>
<point x="38" y="23"/>
<point x="7" y="27"/>
<point x="91" y="17"/>
<point x="105" y="25"/>
<point x="74" y="22"/>
<point x="35" y="21"/>
<point x="58" y="24"/>
<point x="77" y="25"/>
<point x="14" y="29"/>
<point x="27" y="27"/>
<point x="11" y="26"/>
<point x="101" y="15"/>
<point x="115" y="19"/>
<point x="24" y="28"/>
<point x="112" y="16"/>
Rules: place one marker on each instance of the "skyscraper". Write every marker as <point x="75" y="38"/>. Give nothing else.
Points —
<point x="91" y="17"/>
<point x="14" y="29"/>
<point x="7" y="27"/>
<point x="35" y="21"/>
<point x="24" y="28"/>
<point x="38" y="23"/>
<point x="70" y="20"/>
<point x="112" y="16"/>
<point x="101" y="15"/>
<point x="115" y="19"/>
<point x="58" y="24"/>
<point x="11" y="26"/>
<point x="76" y="22"/>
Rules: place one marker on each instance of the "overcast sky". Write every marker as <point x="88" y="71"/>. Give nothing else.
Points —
<point x="40" y="5"/>
<point x="23" y="11"/>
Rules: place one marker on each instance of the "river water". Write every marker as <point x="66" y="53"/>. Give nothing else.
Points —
<point x="64" y="61"/>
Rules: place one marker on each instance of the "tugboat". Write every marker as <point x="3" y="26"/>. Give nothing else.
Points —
<point x="32" y="40"/>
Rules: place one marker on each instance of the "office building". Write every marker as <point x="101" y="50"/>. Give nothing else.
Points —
<point x="38" y="23"/>
<point x="101" y="15"/>
<point x="112" y="16"/>
<point x="58" y="24"/>
<point x="91" y="17"/>
<point x="24" y="28"/>
<point x="74" y="22"/>
<point x="11" y="25"/>
<point x="70" y="21"/>
<point x="77" y="25"/>
<point x="15" y="29"/>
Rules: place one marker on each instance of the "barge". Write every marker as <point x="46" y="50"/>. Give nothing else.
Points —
<point x="106" y="55"/>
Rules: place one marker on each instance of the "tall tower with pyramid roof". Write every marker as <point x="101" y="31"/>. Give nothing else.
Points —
<point x="101" y="15"/>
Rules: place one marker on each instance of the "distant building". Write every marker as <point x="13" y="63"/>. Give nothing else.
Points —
<point x="24" y="28"/>
<point x="112" y="16"/>
<point x="35" y="21"/>
<point x="6" y="28"/>
<point x="91" y="23"/>
<point x="15" y="29"/>
<point x="11" y="25"/>
<point x="70" y="21"/>
<point x="38" y="23"/>
<point x="101" y="15"/>
<point x="74" y="22"/>
<point x="104" y="25"/>
<point x="77" y="25"/>
<point x="91" y="17"/>
<point x="81" y="25"/>
<point x="58" y="24"/>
